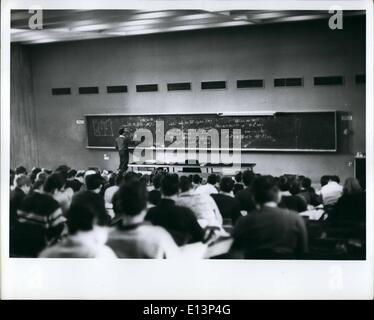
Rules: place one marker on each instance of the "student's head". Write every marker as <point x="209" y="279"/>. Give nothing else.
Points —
<point x="335" y="179"/>
<point x="238" y="177"/>
<point x="34" y="173"/>
<point x="226" y="184"/>
<point x="130" y="177"/>
<point x="196" y="179"/>
<point x="295" y="187"/>
<point x="306" y="183"/>
<point x="21" y="170"/>
<point x="130" y="199"/>
<point x="156" y="180"/>
<point x="237" y="187"/>
<point x="265" y="190"/>
<point x="63" y="170"/>
<point x="87" y="210"/>
<point x="212" y="179"/>
<point x="248" y="177"/>
<point x="94" y="182"/>
<point x="324" y="180"/>
<point x="283" y="183"/>
<point x="352" y="186"/>
<point x="71" y="174"/>
<point x="170" y="184"/>
<point x="185" y="184"/>
<point x="121" y="131"/>
<point x="23" y="182"/>
<point x="54" y="183"/>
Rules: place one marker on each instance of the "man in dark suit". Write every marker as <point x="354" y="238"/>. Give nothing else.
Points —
<point x="227" y="204"/>
<point x="269" y="232"/>
<point x="179" y="221"/>
<point x="122" y="146"/>
<point x="245" y="196"/>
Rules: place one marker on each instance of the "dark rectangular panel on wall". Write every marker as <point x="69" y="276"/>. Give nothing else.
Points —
<point x="288" y="82"/>
<point x="178" y="86"/>
<point x="282" y="131"/>
<point x="88" y="90"/>
<point x="328" y="81"/>
<point x="207" y="85"/>
<point x="360" y="79"/>
<point x="60" y="91"/>
<point x="252" y="83"/>
<point x="146" y="87"/>
<point x="116" y="89"/>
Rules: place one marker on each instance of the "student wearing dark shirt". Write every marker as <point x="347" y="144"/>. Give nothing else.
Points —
<point x="154" y="196"/>
<point x="308" y="193"/>
<point x="179" y="221"/>
<point x="227" y="204"/>
<point x="245" y="196"/>
<point x="269" y="232"/>
<point x="294" y="202"/>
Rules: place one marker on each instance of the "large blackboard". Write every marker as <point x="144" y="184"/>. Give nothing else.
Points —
<point x="281" y="131"/>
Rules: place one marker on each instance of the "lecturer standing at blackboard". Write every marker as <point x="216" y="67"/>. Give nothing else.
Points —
<point x="122" y="146"/>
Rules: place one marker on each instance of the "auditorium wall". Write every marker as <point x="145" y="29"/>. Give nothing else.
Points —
<point x="266" y="52"/>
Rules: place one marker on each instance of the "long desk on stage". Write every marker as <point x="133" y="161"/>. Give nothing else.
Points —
<point x="175" y="167"/>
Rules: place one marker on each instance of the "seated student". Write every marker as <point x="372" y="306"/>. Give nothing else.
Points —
<point x="94" y="183"/>
<point x="196" y="181"/>
<point x="202" y="205"/>
<point x="20" y="170"/>
<point x="227" y="204"/>
<point x="179" y="221"/>
<point x="87" y="223"/>
<point x="154" y="196"/>
<point x="72" y="182"/>
<point x="40" y="221"/>
<point x="331" y="190"/>
<point x="34" y="173"/>
<point x="284" y="186"/>
<point x="132" y="237"/>
<point x="269" y="232"/>
<point x="55" y="186"/>
<point x="109" y="193"/>
<point x="294" y="202"/>
<point x="350" y="209"/>
<point x="308" y="193"/>
<point x="245" y="196"/>
<point x="210" y="187"/>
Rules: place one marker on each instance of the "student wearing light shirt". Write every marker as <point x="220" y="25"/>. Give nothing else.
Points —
<point x="330" y="191"/>
<point x="210" y="187"/>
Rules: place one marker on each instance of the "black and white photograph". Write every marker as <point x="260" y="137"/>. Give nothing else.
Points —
<point x="220" y="135"/>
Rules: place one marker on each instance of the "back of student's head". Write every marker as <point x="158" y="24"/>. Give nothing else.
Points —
<point x="184" y="184"/>
<point x="196" y="179"/>
<point x="170" y="184"/>
<point x="130" y="199"/>
<point x="335" y="178"/>
<point x="22" y="181"/>
<point x="283" y="183"/>
<point x="63" y="170"/>
<point x="94" y="181"/>
<point x="237" y="187"/>
<point x="130" y="177"/>
<point x="306" y="183"/>
<point x="121" y="131"/>
<point x="156" y="180"/>
<point x="71" y="174"/>
<point x="21" y="170"/>
<point x="248" y="177"/>
<point x="324" y="180"/>
<point x="226" y="184"/>
<point x="213" y="179"/>
<point x="295" y="187"/>
<point x="87" y="209"/>
<point x="352" y="186"/>
<point x="238" y="177"/>
<point x="53" y="182"/>
<point x="265" y="190"/>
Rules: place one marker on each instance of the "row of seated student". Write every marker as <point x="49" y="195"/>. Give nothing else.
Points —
<point x="91" y="214"/>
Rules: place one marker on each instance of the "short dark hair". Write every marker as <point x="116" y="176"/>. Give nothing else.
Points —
<point x="212" y="179"/>
<point x="324" y="180"/>
<point x="53" y="182"/>
<point x="283" y="183"/>
<point x="121" y="131"/>
<point x="237" y="187"/>
<point x="226" y="184"/>
<point x="170" y="184"/>
<point x="306" y="183"/>
<point x="263" y="189"/>
<point x="295" y="187"/>
<point x="238" y="176"/>
<point x="196" y="179"/>
<point x="87" y="209"/>
<point x="21" y="170"/>
<point x="248" y="177"/>
<point x="335" y="178"/>
<point x="156" y="180"/>
<point x="23" y="180"/>
<point x="71" y="173"/>
<point x="130" y="177"/>
<point x="94" y="181"/>
<point x="130" y="199"/>
<point x="185" y="183"/>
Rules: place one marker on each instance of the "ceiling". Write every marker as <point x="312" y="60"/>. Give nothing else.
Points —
<point x="68" y="25"/>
